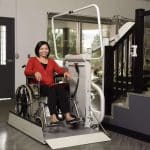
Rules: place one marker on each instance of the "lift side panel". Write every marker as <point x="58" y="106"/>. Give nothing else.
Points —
<point x="26" y="127"/>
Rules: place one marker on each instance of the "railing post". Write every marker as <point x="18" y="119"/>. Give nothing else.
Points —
<point x="138" y="61"/>
<point x="108" y="78"/>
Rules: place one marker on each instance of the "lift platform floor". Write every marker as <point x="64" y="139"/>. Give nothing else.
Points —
<point x="58" y="136"/>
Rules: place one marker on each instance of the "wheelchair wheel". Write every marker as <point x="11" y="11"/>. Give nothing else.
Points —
<point x="23" y="102"/>
<point x="39" y="122"/>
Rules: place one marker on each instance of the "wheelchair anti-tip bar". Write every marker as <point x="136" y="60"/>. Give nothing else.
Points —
<point x="74" y="11"/>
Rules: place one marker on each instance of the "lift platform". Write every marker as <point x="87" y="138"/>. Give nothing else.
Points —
<point x="63" y="136"/>
<point x="59" y="136"/>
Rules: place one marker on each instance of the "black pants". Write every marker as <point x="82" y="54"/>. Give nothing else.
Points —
<point x="57" y="98"/>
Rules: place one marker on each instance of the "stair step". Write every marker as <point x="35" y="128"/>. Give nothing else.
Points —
<point x="123" y="105"/>
<point x="121" y="102"/>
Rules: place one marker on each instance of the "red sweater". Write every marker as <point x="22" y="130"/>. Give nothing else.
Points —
<point x="47" y="74"/>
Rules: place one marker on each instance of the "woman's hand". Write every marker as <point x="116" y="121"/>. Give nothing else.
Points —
<point x="67" y="75"/>
<point x="38" y="76"/>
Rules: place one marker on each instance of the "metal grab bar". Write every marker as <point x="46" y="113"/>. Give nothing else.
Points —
<point x="71" y="12"/>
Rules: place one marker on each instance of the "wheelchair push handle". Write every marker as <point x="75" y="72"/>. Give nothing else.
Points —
<point x="23" y="66"/>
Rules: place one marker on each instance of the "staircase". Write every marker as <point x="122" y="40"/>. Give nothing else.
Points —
<point x="125" y="81"/>
<point x="132" y="113"/>
<point x="124" y="62"/>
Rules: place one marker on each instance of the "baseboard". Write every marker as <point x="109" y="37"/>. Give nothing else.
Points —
<point x="127" y="132"/>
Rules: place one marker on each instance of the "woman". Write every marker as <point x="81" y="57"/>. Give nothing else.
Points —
<point x="43" y="68"/>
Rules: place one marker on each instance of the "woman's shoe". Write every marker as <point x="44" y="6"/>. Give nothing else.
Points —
<point x="54" y="121"/>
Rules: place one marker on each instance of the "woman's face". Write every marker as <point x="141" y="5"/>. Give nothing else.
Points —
<point x="43" y="51"/>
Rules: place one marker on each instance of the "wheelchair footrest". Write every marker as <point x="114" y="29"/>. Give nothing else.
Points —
<point x="74" y="121"/>
<point x="59" y="123"/>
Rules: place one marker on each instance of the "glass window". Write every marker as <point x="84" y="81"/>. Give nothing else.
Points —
<point x="3" y="45"/>
<point x="91" y="44"/>
<point x="76" y="37"/>
<point x="66" y="34"/>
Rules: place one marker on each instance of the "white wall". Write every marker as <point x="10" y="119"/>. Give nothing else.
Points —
<point x="31" y="20"/>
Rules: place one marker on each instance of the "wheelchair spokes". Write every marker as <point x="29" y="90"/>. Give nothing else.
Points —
<point x="31" y="106"/>
<point x="23" y="102"/>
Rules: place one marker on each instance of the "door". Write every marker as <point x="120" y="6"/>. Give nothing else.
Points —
<point x="7" y="59"/>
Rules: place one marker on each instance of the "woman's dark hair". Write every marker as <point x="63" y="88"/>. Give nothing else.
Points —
<point x="38" y="46"/>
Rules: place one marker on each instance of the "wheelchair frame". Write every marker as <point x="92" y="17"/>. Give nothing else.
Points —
<point x="30" y="105"/>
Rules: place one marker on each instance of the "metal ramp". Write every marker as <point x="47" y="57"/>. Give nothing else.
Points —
<point x="76" y="140"/>
<point x="57" y="137"/>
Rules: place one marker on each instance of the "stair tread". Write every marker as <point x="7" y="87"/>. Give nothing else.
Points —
<point x="121" y="102"/>
<point x="123" y="105"/>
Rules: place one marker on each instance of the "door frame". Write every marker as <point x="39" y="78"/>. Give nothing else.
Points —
<point x="10" y="37"/>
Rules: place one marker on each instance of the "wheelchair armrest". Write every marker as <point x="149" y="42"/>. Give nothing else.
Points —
<point x="31" y="79"/>
<point x="58" y="75"/>
<point x="34" y="85"/>
<point x="58" y="78"/>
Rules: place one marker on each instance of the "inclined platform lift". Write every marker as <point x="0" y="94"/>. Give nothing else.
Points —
<point x="89" y="129"/>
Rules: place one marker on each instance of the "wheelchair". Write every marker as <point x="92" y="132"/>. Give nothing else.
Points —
<point x="31" y="105"/>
